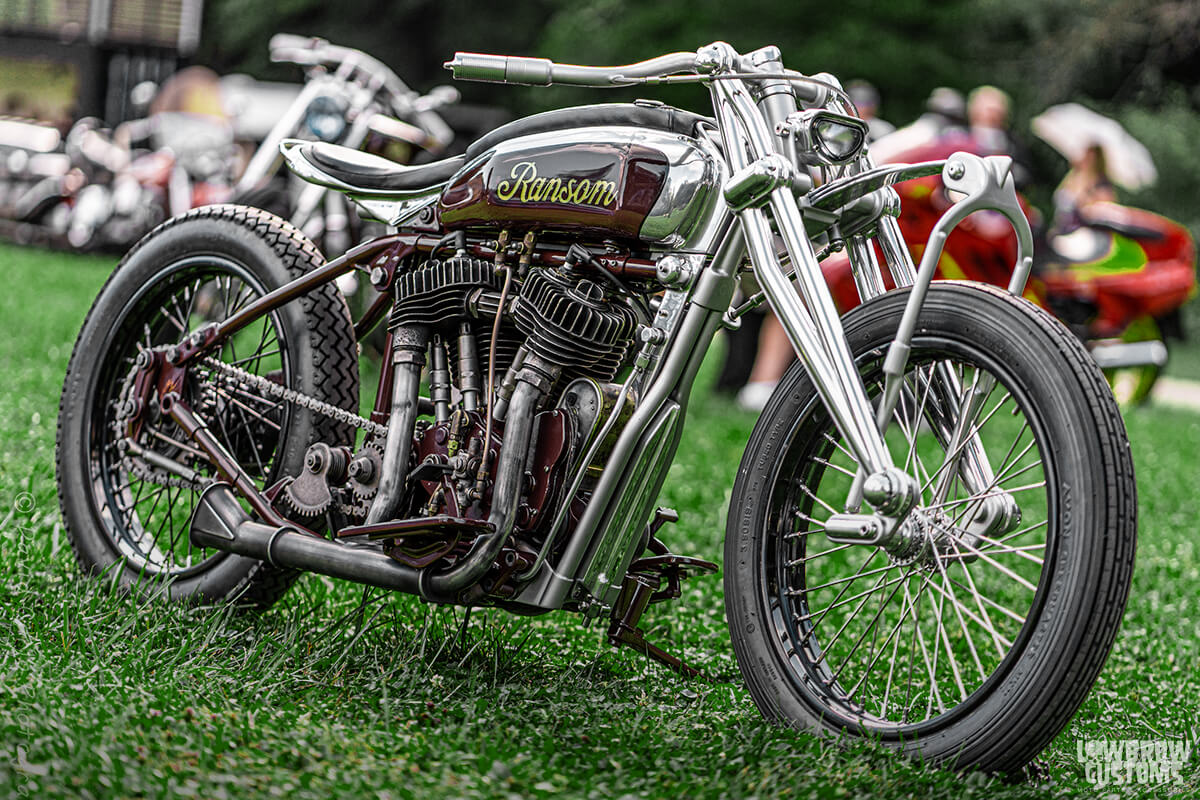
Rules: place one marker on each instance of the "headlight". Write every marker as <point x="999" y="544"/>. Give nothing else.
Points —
<point x="325" y="118"/>
<point x="825" y="137"/>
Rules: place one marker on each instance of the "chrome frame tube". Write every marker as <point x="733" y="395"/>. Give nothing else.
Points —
<point x="679" y="362"/>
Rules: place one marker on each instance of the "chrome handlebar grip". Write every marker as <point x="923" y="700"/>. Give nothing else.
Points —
<point x="543" y="72"/>
<point x="500" y="69"/>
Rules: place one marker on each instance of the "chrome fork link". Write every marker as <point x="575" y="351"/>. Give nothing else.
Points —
<point x="762" y="179"/>
<point x="812" y="324"/>
<point x="408" y="357"/>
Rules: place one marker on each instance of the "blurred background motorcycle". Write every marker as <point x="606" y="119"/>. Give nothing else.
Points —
<point x="1116" y="275"/>
<point x="352" y="99"/>
<point x="201" y="139"/>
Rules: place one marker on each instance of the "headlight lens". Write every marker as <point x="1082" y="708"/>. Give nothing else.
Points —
<point x="826" y="137"/>
<point x="841" y="142"/>
<point x="325" y="118"/>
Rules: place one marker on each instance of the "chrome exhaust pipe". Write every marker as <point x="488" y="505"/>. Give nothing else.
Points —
<point x="408" y="358"/>
<point x="219" y="522"/>
<point x="1119" y="355"/>
<point x="447" y="587"/>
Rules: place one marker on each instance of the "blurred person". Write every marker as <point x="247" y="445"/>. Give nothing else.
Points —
<point x="945" y="114"/>
<point x="1086" y="182"/>
<point x="989" y="111"/>
<point x="193" y="90"/>
<point x="775" y="355"/>
<point x="866" y="100"/>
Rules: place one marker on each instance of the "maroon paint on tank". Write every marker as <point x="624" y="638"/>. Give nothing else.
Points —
<point x="597" y="187"/>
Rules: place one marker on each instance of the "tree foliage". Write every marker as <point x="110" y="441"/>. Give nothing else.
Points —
<point x="1135" y="59"/>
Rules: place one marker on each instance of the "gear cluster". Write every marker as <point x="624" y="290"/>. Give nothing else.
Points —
<point x="335" y="477"/>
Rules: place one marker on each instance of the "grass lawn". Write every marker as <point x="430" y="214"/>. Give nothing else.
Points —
<point x="103" y="695"/>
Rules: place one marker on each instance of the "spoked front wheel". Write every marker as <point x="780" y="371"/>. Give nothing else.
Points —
<point x="972" y="639"/>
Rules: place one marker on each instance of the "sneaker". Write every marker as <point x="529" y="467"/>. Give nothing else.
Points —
<point x="754" y="395"/>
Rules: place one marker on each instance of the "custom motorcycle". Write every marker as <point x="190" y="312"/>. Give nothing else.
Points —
<point x="931" y="533"/>
<point x="1118" y="280"/>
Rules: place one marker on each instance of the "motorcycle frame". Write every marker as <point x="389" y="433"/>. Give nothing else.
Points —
<point x="751" y="112"/>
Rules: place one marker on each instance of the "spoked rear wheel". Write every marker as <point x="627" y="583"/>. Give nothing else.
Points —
<point x="122" y="509"/>
<point x="974" y="642"/>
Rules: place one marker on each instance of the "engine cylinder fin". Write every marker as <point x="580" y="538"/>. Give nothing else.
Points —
<point x="573" y="323"/>
<point x="435" y="293"/>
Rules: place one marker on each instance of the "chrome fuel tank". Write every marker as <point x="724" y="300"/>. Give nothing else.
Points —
<point x="618" y="182"/>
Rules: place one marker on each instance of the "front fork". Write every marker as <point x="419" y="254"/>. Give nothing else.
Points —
<point x="762" y="179"/>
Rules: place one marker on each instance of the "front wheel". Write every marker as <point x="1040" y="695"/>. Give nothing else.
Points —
<point x="974" y="646"/>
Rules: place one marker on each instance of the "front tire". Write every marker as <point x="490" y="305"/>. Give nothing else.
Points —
<point x="976" y="652"/>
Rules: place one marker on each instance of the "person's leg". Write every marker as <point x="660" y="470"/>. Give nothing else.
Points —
<point x="741" y="348"/>
<point x="775" y="355"/>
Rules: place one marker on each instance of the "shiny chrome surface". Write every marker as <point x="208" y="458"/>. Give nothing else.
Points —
<point x="685" y="215"/>
<point x="689" y="208"/>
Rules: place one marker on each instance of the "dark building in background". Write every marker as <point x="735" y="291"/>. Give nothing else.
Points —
<point x="62" y="59"/>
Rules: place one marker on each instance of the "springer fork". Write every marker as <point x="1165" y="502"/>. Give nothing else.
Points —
<point x="765" y="182"/>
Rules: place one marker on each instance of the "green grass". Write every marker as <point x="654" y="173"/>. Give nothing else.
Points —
<point x="103" y="695"/>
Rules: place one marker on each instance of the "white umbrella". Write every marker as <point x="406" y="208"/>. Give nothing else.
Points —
<point x="1071" y="129"/>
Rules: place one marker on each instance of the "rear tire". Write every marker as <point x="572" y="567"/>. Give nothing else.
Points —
<point x="1039" y="666"/>
<point x="201" y="267"/>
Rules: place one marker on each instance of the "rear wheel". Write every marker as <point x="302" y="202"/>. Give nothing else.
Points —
<point x="976" y="644"/>
<point x="121" y="511"/>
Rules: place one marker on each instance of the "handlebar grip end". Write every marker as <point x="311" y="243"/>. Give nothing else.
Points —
<point x="500" y="69"/>
<point x="477" y="67"/>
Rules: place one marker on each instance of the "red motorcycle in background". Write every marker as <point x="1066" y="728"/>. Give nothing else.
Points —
<point x="1118" y="280"/>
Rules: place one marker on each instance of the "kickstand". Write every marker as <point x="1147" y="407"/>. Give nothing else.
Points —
<point x="635" y="596"/>
<point x="644" y="585"/>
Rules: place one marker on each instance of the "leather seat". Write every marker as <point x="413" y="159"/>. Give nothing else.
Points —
<point x="638" y="115"/>
<point x="374" y="174"/>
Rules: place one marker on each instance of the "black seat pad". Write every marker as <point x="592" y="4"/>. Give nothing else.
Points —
<point x="659" y="117"/>
<point x="1126" y="229"/>
<point x="372" y="173"/>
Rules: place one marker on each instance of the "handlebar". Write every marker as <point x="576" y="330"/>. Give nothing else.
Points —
<point x="314" y="51"/>
<point x="525" y="71"/>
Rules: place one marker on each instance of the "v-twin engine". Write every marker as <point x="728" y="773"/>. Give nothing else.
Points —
<point x="510" y="352"/>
